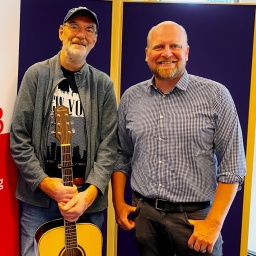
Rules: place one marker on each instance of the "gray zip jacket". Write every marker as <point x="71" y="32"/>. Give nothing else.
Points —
<point x="31" y="121"/>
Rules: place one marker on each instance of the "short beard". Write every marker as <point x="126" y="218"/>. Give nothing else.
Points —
<point x="166" y="73"/>
<point x="75" y="55"/>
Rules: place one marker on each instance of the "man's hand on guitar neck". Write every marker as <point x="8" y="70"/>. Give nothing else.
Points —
<point x="54" y="188"/>
<point x="75" y="207"/>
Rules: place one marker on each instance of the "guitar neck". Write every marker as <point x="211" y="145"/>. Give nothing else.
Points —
<point x="70" y="235"/>
<point x="67" y="178"/>
<point x="66" y="165"/>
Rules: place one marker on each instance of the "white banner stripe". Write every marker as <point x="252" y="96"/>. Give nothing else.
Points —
<point x="9" y="52"/>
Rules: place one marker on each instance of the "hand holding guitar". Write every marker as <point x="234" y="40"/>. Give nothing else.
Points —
<point x="54" y="188"/>
<point x="76" y="206"/>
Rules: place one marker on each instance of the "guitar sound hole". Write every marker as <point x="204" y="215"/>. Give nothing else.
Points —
<point x="73" y="252"/>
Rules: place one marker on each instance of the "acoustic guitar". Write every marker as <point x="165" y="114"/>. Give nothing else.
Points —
<point x="60" y="237"/>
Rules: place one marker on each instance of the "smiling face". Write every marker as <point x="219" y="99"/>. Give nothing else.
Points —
<point x="167" y="51"/>
<point x="77" y="41"/>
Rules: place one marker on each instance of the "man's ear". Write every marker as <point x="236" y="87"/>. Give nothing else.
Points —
<point x="146" y="53"/>
<point x="61" y="28"/>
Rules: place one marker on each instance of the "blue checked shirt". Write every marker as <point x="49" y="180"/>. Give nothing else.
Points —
<point x="177" y="146"/>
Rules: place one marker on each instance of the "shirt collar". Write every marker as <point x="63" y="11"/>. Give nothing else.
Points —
<point x="182" y="83"/>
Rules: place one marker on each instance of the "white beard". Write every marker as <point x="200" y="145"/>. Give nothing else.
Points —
<point x="76" y="55"/>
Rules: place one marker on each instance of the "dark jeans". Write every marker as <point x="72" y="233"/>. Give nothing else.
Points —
<point x="167" y="233"/>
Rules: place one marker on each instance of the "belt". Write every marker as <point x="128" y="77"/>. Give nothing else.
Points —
<point x="167" y="206"/>
<point x="78" y="181"/>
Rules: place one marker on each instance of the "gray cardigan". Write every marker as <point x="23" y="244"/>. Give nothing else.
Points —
<point x="31" y="122"/>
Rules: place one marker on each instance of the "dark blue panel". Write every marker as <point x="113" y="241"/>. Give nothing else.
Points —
<point x="39" y="25"/>
<point x="39" y="40"/>
<point x="221" y="40"/>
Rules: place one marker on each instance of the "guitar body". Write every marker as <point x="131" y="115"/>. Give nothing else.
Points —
<point x="50" y="239"/>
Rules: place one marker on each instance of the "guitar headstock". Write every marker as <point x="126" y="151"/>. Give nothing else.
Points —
<point x="63" y="127"/>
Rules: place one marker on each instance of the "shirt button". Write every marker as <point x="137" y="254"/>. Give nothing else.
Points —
<point x="160" y="162"/>
<point x="160" y="139"/>
<point x="161" y="117"/>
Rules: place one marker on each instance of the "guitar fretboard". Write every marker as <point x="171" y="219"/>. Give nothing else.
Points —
<point x="70" y="235"/>
<point x="66" y="163"/>
<point x="67" y="178"/>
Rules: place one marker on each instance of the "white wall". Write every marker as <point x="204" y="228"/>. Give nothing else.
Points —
<point x="247" y="1"/>
<point x="252" y="225"/>
<point x="9" y="52"/>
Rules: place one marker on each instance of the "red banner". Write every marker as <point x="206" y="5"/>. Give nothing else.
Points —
<point x="9" y="219"/>
<point x="9" y="212"/>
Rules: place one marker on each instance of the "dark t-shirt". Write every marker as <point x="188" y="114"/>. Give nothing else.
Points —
<point x="66" y="94"/>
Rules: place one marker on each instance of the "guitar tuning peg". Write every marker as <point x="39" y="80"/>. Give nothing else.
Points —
<point x="73" y="130"/>
<point x="53" y="132"/>
<point x="72" y="122"/>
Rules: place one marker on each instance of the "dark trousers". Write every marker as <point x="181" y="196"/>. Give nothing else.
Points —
<point x="160" y="233"/>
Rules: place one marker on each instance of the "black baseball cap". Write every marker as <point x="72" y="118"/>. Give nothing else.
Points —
<point x="84" y="10"/>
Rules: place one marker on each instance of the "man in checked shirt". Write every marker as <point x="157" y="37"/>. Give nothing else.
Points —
<point x="180" y="140"/>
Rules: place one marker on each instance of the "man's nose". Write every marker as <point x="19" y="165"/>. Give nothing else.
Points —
<point x="167" y="52"/>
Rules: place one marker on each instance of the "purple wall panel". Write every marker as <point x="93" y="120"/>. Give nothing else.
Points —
<point x="39" y="25"/>
<point x="39" y="40"/>
<point x="221" y="41"/>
